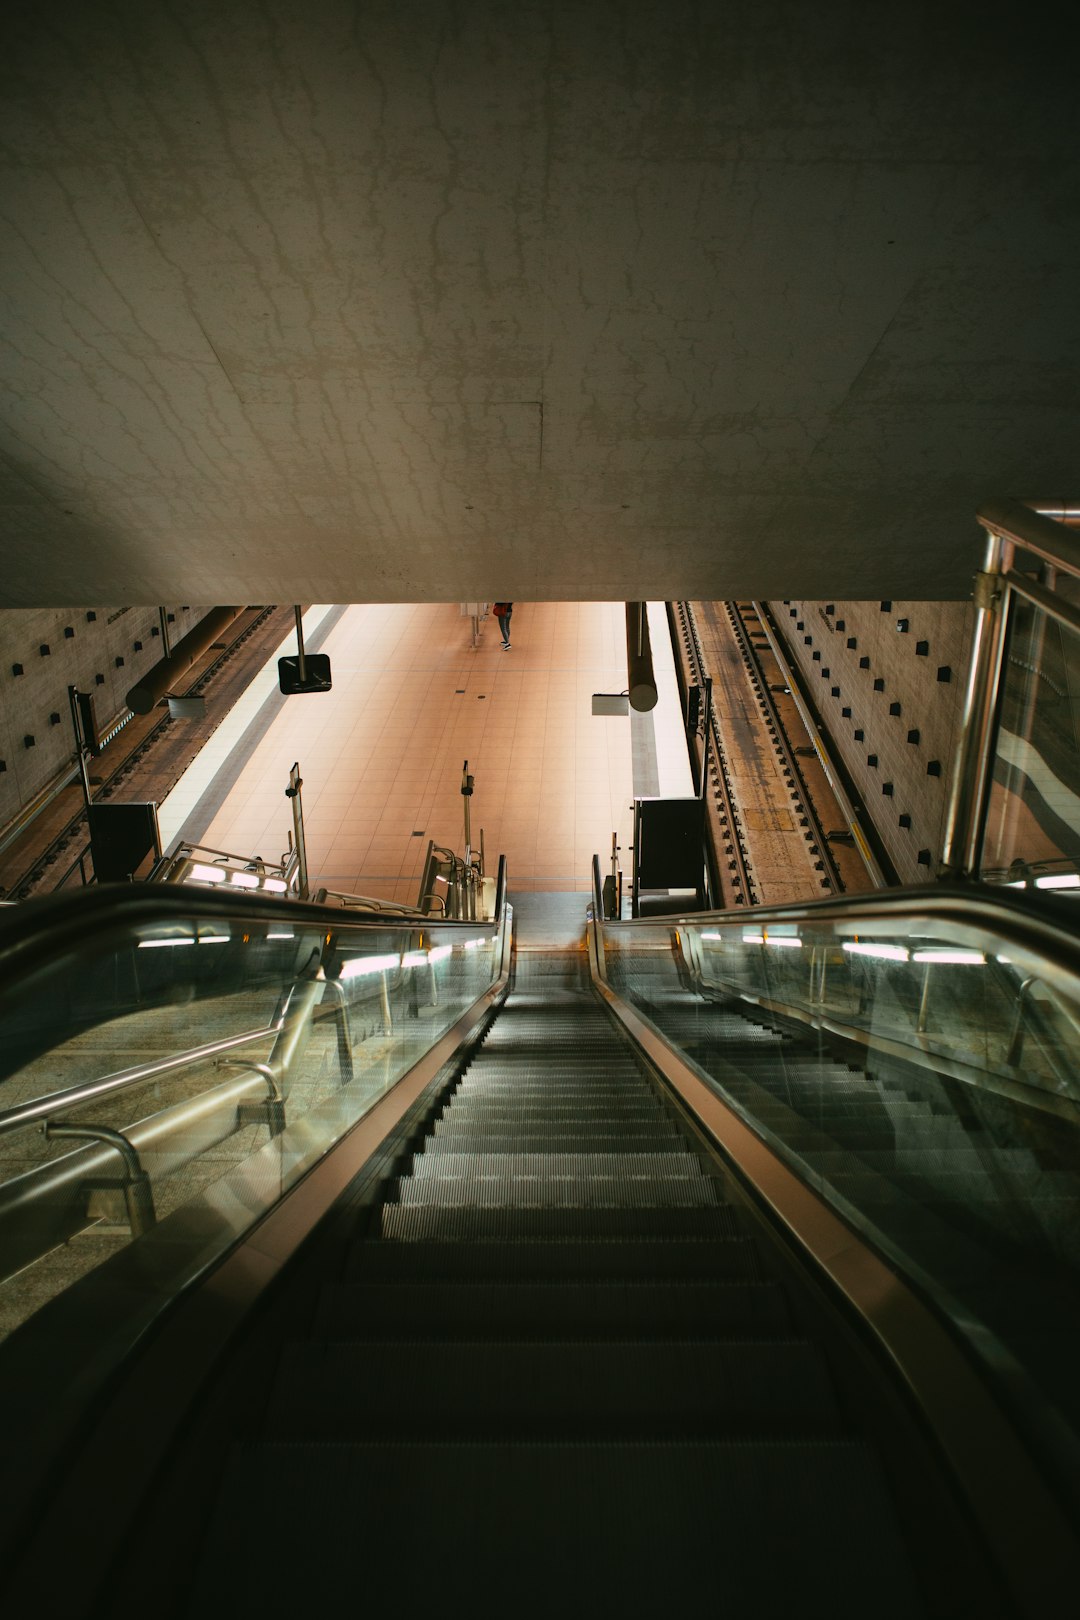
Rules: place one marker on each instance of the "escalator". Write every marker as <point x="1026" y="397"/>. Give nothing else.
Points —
<point x="554" y="1353"/>
<point x="550" y="1296"/>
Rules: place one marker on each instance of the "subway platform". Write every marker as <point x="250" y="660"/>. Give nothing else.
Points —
<point x="414" y="696"/>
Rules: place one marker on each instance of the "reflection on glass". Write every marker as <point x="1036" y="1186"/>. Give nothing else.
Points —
<point x="168" y="1084"/>
<point x="1033" y="817"/>
<point x="922" y="1078"/>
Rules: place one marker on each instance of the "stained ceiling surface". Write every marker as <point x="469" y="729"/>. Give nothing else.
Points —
<point x="542" y="299"/>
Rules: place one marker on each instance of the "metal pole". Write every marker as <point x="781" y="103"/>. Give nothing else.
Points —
<point x="80" y="743"/>
<point x="163" y="620"/>
<point x="708" y="733"/>
<point x="971" y="776"/>
<point x="301" y="662"/>
<point x="466" y="793"/>
<point x="292" y="792"/>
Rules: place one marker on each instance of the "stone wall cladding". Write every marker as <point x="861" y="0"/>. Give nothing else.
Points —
<point x="889" y="681"/>
<point x="28" y="701"/>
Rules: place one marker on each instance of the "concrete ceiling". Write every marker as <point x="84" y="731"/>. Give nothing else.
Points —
<point x="409" y="300"/>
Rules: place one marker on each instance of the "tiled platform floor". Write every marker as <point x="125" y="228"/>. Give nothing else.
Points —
<point x="382" y="753"/>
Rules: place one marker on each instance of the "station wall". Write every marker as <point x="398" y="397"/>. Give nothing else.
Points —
<point x="888" y="679"/>
<point x="43" y="651"/>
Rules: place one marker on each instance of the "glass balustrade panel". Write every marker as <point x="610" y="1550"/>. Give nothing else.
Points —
<point x="1032" y="832"/>
<point x="182" y="1076"/>
<point x="922" y="1078"/>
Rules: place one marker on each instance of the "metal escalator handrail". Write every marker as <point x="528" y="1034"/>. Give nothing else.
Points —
<point x="1020" y="1516"/>
<point x="91" y="1090"/>
<point x="1041" y="924"/>
<point x="38" y="931"/>
<point x="1014" y="521"/>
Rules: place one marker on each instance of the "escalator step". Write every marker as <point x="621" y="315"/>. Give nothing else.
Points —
<point x="471" y="1387"/>
<point x="409" y="1223"/>
<point x="555" y="1088"/>
<point x="462" y="1111"/>
<point x="566" y="1180"/>
<point x="526" y="1309"/>
<point x="777" y="1527"/>
<point x="561" y="1140"/>
<point x="452" y="1125"/>
<point x="569" y="1167"/>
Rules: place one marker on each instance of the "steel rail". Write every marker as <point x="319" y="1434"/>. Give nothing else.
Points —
<point x="821" y="748"/>
<point x="739" y="873"/>
<point x="41" y="1107"/>
<point x="790" y="759"/>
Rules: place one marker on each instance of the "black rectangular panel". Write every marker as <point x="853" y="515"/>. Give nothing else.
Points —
<point x="318" y="674"/>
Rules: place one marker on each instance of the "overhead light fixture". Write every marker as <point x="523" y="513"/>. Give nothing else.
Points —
<point x="1058" y="880"/>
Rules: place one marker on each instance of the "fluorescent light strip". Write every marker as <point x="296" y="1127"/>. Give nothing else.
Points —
<point x="361" y="966"/>
<point x="1058" y="880"/>
<point x="887" y="953"/>
<point x="970" y="958"/>
<point x="157" y="944"/>
<point x="207" y="874"/>
<point x="281" y="936"/>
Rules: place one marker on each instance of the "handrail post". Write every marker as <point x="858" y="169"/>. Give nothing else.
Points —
<point x="965" y="818"/>
<point x="292" y="792"/>
<point x="336" y="992"/>
<point x="135" y="1185"/>
<point x="271" y="1113"/>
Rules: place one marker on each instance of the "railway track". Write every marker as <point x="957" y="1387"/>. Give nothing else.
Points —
<point x="57" y="861"/>
<point x="735" y="871"/>
<point x="780" y="833"/>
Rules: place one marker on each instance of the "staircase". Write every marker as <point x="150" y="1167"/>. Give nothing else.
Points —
<point x="554" y="1376"/>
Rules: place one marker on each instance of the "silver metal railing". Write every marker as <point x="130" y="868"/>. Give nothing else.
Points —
<point x="27" y="1113"/>
<point x="1017" y="537"/>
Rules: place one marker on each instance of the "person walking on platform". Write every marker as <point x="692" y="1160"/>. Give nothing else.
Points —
<point x="503" y="611"/>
